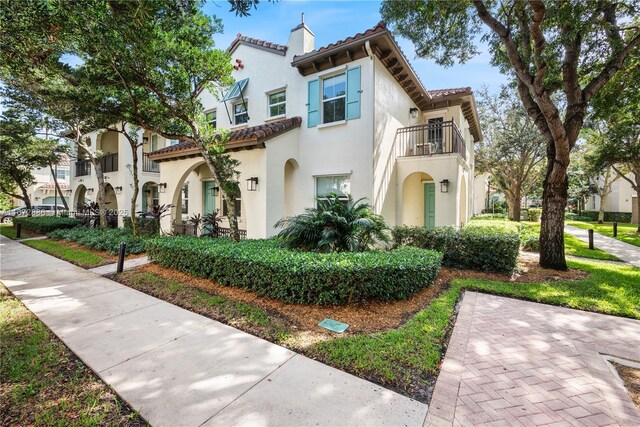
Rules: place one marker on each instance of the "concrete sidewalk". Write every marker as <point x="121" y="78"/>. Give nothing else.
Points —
<point x="626" y="252"/>
<point x="128" y="265"/>
<point x="178" y="368"/>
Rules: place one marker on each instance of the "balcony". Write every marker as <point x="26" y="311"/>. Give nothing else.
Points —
<point x="430" y="140"/>
<point x="149" y="165"/>
<point x="109" y="163"/>
<point x="83" y="168"/>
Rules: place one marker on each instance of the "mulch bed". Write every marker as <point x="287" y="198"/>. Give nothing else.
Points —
<point x="631" y="378"/>
<point x="363" y="317"/>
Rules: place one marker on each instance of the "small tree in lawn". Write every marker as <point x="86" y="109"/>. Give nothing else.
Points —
<point x="512" y="149"/>
<point x="561" y="55"/>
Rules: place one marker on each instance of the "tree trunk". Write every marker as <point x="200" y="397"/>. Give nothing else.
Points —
<point x="515" y="204"/>
<point x="603" y="199"/>
<point x="637" y="188"/>
<point x="102" y="193"/>
<point x="55" y="182"/>
<point x="233" y="218"/>
<point x="136" y="184"/>
<point x="554" y="200"/>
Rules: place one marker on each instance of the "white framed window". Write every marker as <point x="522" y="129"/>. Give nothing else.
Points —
<point x="238" y="207"/>
<point x="338" y="184"/>
<point x="240" y="113"/>
<point x="61" y="174"/>
<point x="212" y="118"/>
<point x="334" y="98"/>
<point x="277" y="103"/>
<point x="185" y="199"/>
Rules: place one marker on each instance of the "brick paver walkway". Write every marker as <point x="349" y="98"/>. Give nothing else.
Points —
<point x="513" y="362"/>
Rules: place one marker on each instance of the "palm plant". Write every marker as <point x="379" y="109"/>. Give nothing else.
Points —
<point x="335" y="224"/>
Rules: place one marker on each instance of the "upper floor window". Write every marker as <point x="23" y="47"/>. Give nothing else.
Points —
<point x="277" y="104"/>
<point x="61" y="174"/>
<point x="334" y="94"/>
<point x="240" y="113"/>
<point x="211" y="118"/>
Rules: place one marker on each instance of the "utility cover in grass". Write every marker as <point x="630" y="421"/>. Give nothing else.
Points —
<point x="333" y="325"/>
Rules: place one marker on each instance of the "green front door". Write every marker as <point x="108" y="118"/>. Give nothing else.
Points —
<point x="209" y="200"/>
<point x="429" y="205"/>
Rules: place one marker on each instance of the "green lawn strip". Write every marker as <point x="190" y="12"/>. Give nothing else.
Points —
<point x="626" y="232"/>
<point x="405" y="357"/>
<point x="43" y="383"/>
<point x="576" y="247"/>
<point x="82" y="258"/>
<point x="8" y="230"/>
<point x="239" y="314"/>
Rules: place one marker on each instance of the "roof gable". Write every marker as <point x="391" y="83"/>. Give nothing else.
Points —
<point x="258" y="44"/>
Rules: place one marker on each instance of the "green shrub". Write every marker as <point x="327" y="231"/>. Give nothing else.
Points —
<point x="534" y="214"/>
<point x="335" y="225"/>
<point x="146" y="226"/>
<point x="608" y="216"/>
<point x="102" y="239"/>
<point x="577" y="217"/>
<point x="46" y="224"/>
<point x="478" y="246"/>
<point x="485" y="216"/>
<point x="300" y="277"/>
<point x="529" y="238"/>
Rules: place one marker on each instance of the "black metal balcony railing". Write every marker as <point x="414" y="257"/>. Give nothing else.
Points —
<point x="149" y="165"/>
<point x="109" y="162"/>
<point x="83" y="168"/>
<point x="430" y="140"/>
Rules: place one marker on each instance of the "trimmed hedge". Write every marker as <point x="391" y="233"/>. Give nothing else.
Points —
<point x="300" y="277"/>
<point x="146" y="226"/>
<point x="102" y="239"/>
<point x="529" y="238"/>
<point x="486" y="216"/>
<point x="608" y="216"/>
<point x="534" y="214"/>
<point x="484" y="247"/>
<point x="46" y="224"/>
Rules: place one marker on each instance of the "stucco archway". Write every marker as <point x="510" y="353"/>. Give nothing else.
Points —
<point x="176" y="197"/>
<point x="291" y="169"/>
<point x="80" y="197"/>
<point x="418" y="210"/>
<point x="149" y="196"/>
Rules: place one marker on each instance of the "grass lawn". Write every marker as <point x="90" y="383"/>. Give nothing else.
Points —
<point x="576" y="247"/>
<point x="395" y="356"/>
<point x="626" y="232"/>
<point x="80" y="257"/>
<point x="43" y="383"/>
<point x="8" y="230"/>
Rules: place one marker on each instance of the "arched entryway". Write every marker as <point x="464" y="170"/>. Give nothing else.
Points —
<point x="80" y="197"/>
<point x="290" y="171"/>
<point x="150" y="196"/>
<point x="419" y="200"/>
<point x="111" y="204"/>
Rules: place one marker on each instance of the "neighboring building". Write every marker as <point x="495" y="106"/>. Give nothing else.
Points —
<point x="351" y="117"/>
<point x="42" y="191"/>
<point x="621" y="198"/>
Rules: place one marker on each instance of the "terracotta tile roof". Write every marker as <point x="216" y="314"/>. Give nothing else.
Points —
<point x="242" y="138"/>
<point x="441" y="93"/>
<point x="240" y="40"/>
<point x="379" y="28"/>
<point x="51" y="186"/>
<point x="64" y="160"/>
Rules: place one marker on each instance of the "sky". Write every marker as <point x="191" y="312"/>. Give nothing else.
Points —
<point x="331" y="21"/>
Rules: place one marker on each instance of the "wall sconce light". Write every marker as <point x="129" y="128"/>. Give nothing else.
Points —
<point x="68" y="192"/>
<point x="252" y="183"/>
<point x="413" y="112"/>
<point x="444" y="186"/>
<point x="89" y="191"/>
<point x="162" y="187"/>
<point x="215" y="191"/>
<point x="145" y="139"/>
<point x="37" y="198"/>
<point x="118" y="190"/>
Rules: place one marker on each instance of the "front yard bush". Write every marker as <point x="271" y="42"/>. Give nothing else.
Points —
<point x="300" y="277"/>
<point x="529" y="238"/>
<point x="102" y="239"/>
<point x="46" y="224"/>
<point x="608" y="216"/>
<point x="534" y="214"/>
<point x="486" y="216"/>
<point x="483" y="247"/>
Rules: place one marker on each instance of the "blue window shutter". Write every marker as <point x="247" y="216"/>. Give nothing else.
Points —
<point x="313" y="103"/>
<point x="353" y="93"/>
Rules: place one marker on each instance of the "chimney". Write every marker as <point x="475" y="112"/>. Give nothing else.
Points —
<point x="301" y="40"/>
